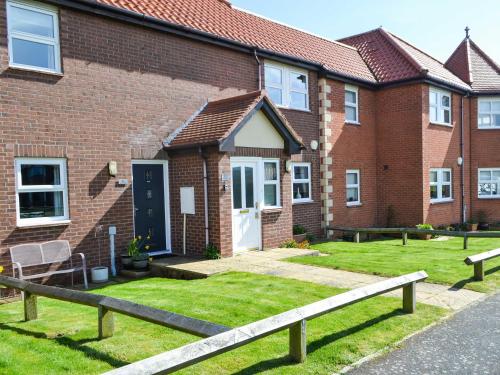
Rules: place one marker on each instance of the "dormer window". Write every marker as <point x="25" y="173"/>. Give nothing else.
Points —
<point x="287" y="86"/>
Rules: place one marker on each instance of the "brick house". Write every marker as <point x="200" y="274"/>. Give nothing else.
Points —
<point x="112" y="110"/>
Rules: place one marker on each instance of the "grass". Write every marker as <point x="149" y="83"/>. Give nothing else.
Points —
<point x="442" y="260"/>
<point x="63" y="339"/>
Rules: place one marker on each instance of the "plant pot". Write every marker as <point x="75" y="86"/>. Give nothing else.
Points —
<point x="472" y="227"/>
<point x="140" y="264"/>
<point x="425" y="237"/>
<point x="99" y="274"/>
<point x="483" y="226"/>
<point x="299" y="237"/>
<point x="127" y="261"/>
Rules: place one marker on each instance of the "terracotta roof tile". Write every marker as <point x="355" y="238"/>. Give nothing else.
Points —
<point x="470" y="60"/>
<point x="221" y="19"/>
<point x="393" y="59"/>
<point x="217" y="119"/>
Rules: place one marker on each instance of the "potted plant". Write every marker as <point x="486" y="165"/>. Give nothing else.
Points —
<point x="472" y="225"/>
<point x="299" y="233"/>
<point x="138" y="257"/>
<point x="425" y="236"/>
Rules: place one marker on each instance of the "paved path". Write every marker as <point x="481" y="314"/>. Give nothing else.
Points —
<point x="271" y="263"/>
<point x="468" y="343"/>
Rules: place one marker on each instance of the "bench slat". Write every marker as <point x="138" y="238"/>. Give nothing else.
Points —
<point x="483" y="256"/>
<point x="50" y="273"/>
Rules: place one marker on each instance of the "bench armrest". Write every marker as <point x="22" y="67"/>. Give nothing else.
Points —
<point x="82" y="257"/>
<point x="19" y="268"/>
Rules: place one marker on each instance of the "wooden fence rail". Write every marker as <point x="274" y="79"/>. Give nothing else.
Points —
<point x="405" y="231"/>
<point x="293" y="320"/>
<point x="106" y="306"/>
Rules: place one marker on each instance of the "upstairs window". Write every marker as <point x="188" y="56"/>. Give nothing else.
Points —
<point x="353" y="197"/>
<point x="287" y="86"/>
<point x="439" y="106"/>
<point x="489" y="183"/>
<point x="489" y="113"/>
<point x="351" y="105"/>
<point x="301" y="182"/>
<point x="440" y="185"/>
<point x="33" y="34"/>
<point x="42" y="193"/>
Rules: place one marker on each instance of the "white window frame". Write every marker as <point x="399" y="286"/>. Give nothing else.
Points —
<point x="440" y="183"/>
<point x="286" y="86"/>
<point x="62" y="187"/>
<point x="439" y="107"/>
<point x="39" y="8"/>
<point x="350" y="186"/>
<point x="479" y="182"/>
<point x="270" y="182"/>
<point x="302" y="181"/>
<point x="490" y="113"/>
<point x="354" y="90"/>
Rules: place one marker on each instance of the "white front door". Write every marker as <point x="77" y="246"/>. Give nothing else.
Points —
<point x="246" y="213"/>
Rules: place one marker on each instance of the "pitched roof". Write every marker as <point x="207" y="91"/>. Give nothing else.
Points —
<point x="475" y="67"/>
<point x="221" y="19"/>
<point x="217" y="120"/>
<point x="392" y="59"/>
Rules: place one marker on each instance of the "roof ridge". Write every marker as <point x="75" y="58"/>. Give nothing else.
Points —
<point x="359" y="34"/>
<point x="485" y="56"/>
<point x="464" y="42"/>
<point x="469" y="61"/>
<point x="292" y="27"/>
<point x="418" y="49"/>
<point x="390" y="37"/>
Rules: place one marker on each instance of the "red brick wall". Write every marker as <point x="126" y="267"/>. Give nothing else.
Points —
<point x="354" y="147"/>
<point x="485" y="153"/>
<point x="399" y="154"/>
<point x="118" y="99"/>
<point x="441" y="149"/>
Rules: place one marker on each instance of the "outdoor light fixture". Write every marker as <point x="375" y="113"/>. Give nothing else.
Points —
<point x="288" y="166"/>
<point x="113" y="168"/>
<point x="314" y="145"/>
<point x="460" y="160"/>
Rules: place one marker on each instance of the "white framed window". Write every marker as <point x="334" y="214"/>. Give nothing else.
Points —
<point x="351" y="104"/>
<point x="439" y="106"/>
<point x="353" y="194"/>
<point x="488" y="116"/>
<point x="33" y="34"/>
<point x="440" y="184"/>
<point x="271" y="183"/>
<point x="489" y="183"/>
<point x="301" y="182"/>
<point x="41" y="191"/>
<point x="287" y="86"/>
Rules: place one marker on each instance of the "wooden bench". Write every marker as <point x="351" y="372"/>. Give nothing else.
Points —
<point x="478" y="262"/>
<point x="47" y="253"/>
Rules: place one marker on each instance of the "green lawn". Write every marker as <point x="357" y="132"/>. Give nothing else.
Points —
<point x="442" y="260"/>
<point x="63" y="339"/>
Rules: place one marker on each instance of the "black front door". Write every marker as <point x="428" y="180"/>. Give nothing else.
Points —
<point x="149" y="205"/>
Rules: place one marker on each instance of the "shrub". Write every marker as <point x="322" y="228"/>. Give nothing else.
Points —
<point x="298" y="229"/>
<point x="211" y="252"/>
<point x="304" y="245"/>
<point x="425" y="226"/>
<point x="289" y="244"/>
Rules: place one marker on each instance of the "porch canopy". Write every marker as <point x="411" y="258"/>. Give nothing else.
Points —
<point x="249" y="120"/>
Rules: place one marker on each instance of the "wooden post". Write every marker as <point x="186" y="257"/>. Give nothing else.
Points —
<point x="405" y="238"/>
<point x="410" y="298"/>
<point x="466" y="242"/>
<point x="479" y="271"/>
<point x="106" y="322"/>
<point x="356" y="237"/>
<point x="30" y="306"/>
<point x="298" y="350"/>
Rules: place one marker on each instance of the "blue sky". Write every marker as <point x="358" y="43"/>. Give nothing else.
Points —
<point x="435" y="26"/>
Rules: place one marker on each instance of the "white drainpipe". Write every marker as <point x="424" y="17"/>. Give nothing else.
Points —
<point x="205" y="195"/>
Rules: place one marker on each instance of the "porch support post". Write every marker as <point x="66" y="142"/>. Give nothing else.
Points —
<point x="298" y="349"/>
<point x="30" y="306"/>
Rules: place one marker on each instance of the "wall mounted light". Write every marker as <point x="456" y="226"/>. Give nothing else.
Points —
<point x="288" y="166"/>
<point x="460" y="160"/>
<point x="314" y="145"/>
<point x="113" y="168"/>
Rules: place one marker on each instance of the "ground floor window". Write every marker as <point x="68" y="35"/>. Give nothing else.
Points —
<point x="440" y="184"/>
<point x="271" y="183"/>
<point x="489" y="183"/>
<point x="41" y="191"/>
<point x="301" y="182"/>
<point x="353" y="196"/>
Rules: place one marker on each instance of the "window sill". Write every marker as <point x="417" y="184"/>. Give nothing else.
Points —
<point x="270" y="210"/>
<point x="354" y="205"/>
<point x="352" y="123"/>
<point x="43" y="224"/>
<point x="443" y="201"/>
<point x="489" y="128"/>
<point x="35" y="70"/>
<point x="309" y="201"/>
<point x="441" y="124"/>
<point x="488" y="197"/>
<point x="294" y="109"/>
